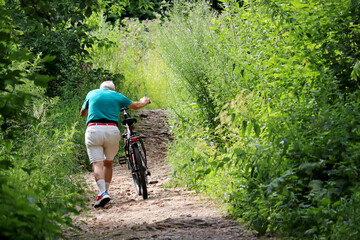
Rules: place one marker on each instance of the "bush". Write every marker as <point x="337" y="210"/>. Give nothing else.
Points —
<point x="275" y="92"/>
<point x="39" y="182"/>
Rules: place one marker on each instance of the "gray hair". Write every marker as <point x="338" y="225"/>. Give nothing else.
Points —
<point x="108" y="84"/>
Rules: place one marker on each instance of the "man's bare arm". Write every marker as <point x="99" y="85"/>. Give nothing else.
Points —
<point x="83" y="112"/>
<point x="140" y="104"/>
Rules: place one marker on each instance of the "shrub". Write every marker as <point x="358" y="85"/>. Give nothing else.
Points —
<point x="269" y="85"/>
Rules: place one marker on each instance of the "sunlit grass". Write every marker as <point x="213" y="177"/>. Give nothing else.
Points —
<point x="133" y="54"/>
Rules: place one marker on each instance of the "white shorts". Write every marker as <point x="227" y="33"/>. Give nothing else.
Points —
<point x="102" y="142"/>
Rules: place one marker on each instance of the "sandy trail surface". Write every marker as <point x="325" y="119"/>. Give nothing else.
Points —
<point x="168" y="213"/>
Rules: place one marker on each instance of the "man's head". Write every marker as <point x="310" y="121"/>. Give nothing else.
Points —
<point x="108" y="84"/>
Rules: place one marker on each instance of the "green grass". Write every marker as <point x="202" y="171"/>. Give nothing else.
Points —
<point x="133" y="53"/>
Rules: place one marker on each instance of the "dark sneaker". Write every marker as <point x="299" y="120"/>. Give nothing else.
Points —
<point x="102" y="199"/>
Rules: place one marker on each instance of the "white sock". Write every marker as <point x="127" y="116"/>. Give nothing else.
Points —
<point x="101" y="185"/>
<point x="107" y="185"/>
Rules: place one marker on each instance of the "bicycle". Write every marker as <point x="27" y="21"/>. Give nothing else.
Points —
<point x="135" y="155"/>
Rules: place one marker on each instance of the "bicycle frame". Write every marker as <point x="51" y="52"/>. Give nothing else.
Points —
<point x="131" y="140"/>
<point x="135" y="159"/>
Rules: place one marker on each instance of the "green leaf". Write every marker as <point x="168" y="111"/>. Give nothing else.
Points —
<point x="40" y="80"/>
<point x="325" y="202"/>
<point x="257" y="129"/>
<point x="226" y="159"/>
<point x="243" y="128"/>
<point x="220" y="165"/>
<point x="4" y="36"/>
<point x="8" y="146"/>
<point x="233" y="116"/>
<point x="308" y="168"/>
<point x="356" y="71"/>
<point x="5" y="164"/>
<point x="48" y="58"/>
<point x="316" y="185"/>
<point x="22" y="55"/>
<point x="238" y="151"/>
<point x="242" y="72"/>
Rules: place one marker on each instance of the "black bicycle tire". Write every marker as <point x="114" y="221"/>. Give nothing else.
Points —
<point x="141" y="172"/>
<point x="134" y="172"/>
<point x="142" y="148"/>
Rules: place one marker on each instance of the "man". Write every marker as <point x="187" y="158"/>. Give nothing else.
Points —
<point x="102" y="107"/>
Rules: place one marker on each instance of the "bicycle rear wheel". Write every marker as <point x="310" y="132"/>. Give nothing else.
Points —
<point x="138" y="175"/>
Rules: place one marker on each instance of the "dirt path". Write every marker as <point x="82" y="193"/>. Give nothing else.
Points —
<point x="167" y="214"/>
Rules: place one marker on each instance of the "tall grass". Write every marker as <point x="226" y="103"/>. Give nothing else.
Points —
<point x="132" y="52"/>
<point x="262" y="119"/>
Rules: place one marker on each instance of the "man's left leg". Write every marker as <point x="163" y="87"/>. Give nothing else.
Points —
<point x="103" y="197"/>
<point x="111" y="147"/>
<point x="108" y="171"/>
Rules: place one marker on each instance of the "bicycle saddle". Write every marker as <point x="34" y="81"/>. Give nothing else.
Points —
<point x="129" y="121"/>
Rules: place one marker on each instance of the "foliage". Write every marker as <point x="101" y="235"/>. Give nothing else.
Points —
<point x="36" y="189"/>
<point x="190" y="58"/>
<point x="43" y="53"/>
<point x="53" y="28"/>
<point x="130" y="49"/>
<point x="64" y="32"/>
<point x="264" y="95"/>
<point x="268" y="91"/>
<point x="116" y="11"/>
<point x="15" y="71"/>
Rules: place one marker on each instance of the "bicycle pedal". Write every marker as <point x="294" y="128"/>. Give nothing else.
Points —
<point x="122" y="160"/>
<point x="153" y="182"/>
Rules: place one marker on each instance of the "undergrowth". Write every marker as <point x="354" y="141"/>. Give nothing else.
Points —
<point x="264" y="118"/>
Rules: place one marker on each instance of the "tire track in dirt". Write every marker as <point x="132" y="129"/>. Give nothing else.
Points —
<point x="174" y="213"/>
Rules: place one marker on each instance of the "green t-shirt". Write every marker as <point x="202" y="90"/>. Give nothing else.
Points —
<point x="104" y="104"/>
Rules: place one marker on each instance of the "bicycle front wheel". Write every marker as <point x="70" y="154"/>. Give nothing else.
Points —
<point x="139" y="176"/>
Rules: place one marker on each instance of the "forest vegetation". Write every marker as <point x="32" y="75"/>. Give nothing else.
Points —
<point x="264" y="99"/>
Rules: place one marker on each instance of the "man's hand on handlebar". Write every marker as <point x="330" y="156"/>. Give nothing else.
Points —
<point x="141" y="103"/>
<point x="145" y="99"/>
